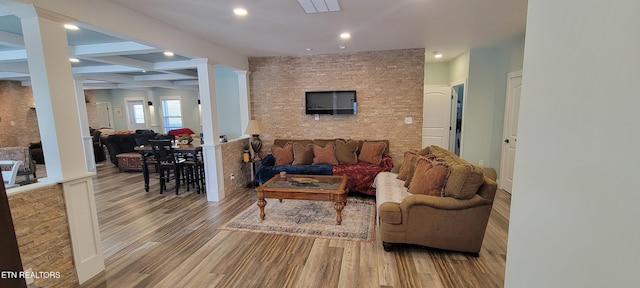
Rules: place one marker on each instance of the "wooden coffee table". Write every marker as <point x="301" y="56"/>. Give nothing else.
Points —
<point x="305" y="187"/>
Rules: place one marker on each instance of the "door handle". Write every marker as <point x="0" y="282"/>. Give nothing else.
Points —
<point x="506" y="141"/>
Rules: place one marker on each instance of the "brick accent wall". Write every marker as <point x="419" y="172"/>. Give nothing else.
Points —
<point x="16" y="103"/>
<point x="40" y="221"/>
<point x="389" y="87"/>
<point x="232" y="163"/>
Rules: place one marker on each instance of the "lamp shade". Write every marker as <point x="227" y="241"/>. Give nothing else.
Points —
<point x="254" y="127"/>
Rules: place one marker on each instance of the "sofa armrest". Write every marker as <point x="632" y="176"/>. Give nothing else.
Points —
<point x="390" y="213"/>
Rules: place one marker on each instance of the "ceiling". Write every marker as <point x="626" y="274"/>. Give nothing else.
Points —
<point x="273" y="28"/>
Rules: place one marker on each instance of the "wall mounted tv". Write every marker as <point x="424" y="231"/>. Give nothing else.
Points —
<point x="330" y="102"/>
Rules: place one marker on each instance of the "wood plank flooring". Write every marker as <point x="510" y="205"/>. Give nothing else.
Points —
<point x="168" y="240"/>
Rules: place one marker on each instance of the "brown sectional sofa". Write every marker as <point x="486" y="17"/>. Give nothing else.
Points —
<point x="439" y="222"/>
<point x="361" y="174"/>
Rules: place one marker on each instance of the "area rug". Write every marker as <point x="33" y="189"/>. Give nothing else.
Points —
<point x="309" y="219"/>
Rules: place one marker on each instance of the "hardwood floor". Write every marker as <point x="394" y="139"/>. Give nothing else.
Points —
<point x="168" y="240"/>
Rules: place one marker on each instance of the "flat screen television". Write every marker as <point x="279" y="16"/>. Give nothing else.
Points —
<point x="330" y="102"/>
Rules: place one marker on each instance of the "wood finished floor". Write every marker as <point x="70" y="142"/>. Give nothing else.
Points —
<point x="153" y="240"/>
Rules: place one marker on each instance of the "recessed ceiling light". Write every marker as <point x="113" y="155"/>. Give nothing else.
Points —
<point x="70" y="26"/>
<point x="309" y="49"/>
<point x="345" y="35"/>
<point x="168" y="54"/>
<point x="240" y="11"/>
<point x="342" y="47"/>
<point x="74" y="60"/>
<point x="437" y="55"/>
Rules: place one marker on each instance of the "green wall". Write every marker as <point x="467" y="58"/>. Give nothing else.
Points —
<point x="189" y="105"/>
<point x="484" y="70"/>
<point x="459" y="69"/>
<point x="436" y="73"/>
<point x="485" y="102"/>
<point x="228" y="102"/>
<point x="227" y="96"/>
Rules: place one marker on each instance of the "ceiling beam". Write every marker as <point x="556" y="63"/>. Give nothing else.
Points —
<point x="111" y="49"/>
<point x="104" y="69"/>
<point x="13" y="55"/>
<point x="11" y="40"/>
<point x="123" y="61"/>
<point x="169" y="76"/>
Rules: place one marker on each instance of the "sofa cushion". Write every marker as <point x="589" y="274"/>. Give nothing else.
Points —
<point x="326" y="154"/>
<point x="464" y="181"/>
<point x="346" y="151"/>
<point x="371" y="152"/>
<point x="284" y="155"/>
<point x="464" y="178"/>
<point x="386" y="142"/>
<point x="404" y="169"/>
<point x="429" y="177"/>
<point x="302" y="154"/>
<point x="282" y="142"/>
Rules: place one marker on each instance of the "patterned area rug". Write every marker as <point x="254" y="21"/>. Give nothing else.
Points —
<point x="309" y="219"/>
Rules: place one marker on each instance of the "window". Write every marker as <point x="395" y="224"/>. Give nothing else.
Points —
<point x="138" y="113"/>
<point x="171" y="113"/>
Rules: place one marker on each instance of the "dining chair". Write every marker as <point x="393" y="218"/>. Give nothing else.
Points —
<point x="168" y="165"/>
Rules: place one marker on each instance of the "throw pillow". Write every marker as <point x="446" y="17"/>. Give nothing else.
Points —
<point x="283" y="155"/>
<point x="372" y="152"/>
<point x="326" y="154"/>
<point x="412" y="168"/>
<point x="429" y="178"/>
<point x="404" y="169"/>
<point x="346" y="151"/>
<point x="302" y="154"/>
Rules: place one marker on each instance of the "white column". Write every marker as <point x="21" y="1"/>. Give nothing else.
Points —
<point x="245" y="99"/>
<point x="48" y="59"/>
<point x="211" y="148"/>
<point x="87" y="139"/>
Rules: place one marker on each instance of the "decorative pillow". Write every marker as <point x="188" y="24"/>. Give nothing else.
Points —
<point x="302" y="154"/>
<point x="372" y="152"/>
<point x="429" y="178"/>
<point x="283" y="155"/>
<point x="412" y="168"/>
<point x="346" y="151"/>
<point x="326" y="154"/>
<point x="404" y="169"/>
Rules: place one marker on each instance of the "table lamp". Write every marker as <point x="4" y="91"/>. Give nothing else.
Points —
<point x="255" y="128"/>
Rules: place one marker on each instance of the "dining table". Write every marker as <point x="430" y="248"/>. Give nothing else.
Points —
<point x="194" y="148"/>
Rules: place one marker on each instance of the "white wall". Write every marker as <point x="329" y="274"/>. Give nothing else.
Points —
<point x="574" y="210"/>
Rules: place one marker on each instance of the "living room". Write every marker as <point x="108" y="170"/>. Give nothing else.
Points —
<point x="559" y="228"/>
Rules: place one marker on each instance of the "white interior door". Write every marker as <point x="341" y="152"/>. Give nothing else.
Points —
<point x="105" y="118"/>
<point x="512" y="108"/>
<point x="135" y="115"/>
<point x="436" y="113"/>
